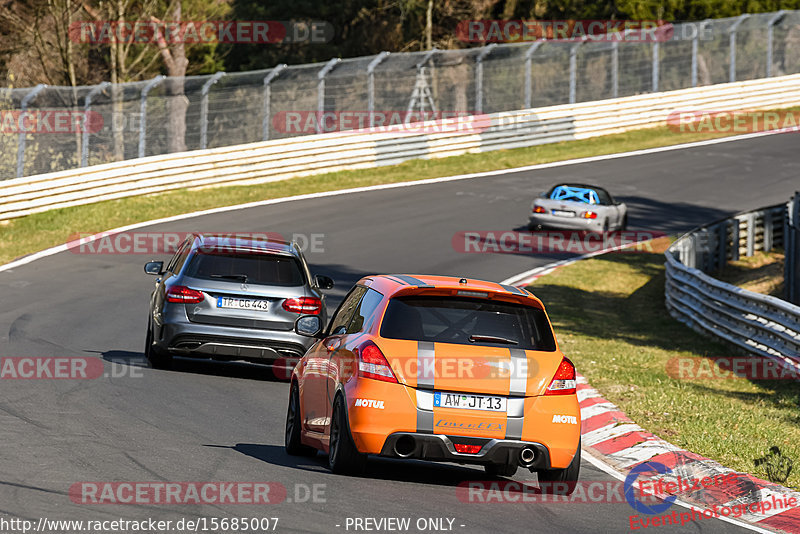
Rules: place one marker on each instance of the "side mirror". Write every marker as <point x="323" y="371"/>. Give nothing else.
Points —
<point x="154" y="267"/>
<point x="309" y="326"/>
<point x="324" y="282"/>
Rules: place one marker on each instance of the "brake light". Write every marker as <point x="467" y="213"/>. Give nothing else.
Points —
<point x="184" y="294"/>
<point x="304" y="305"/>
<point x="372" y="363"/>
<point x="563" y="382"/>
<point x="539" y="209"/>
<point x="467" y="449"/>
<point x="589" y="215"/>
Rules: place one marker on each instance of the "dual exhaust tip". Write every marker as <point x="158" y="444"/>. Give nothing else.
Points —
<point x="406" y="445"/>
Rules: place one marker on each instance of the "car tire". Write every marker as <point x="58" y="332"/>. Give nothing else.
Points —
<point x="292" y="442"/>
<point x="561" y="481"/>
<point x="501" y="470"/>
<point x="343" y="456"/>
<point x="535" y="227"/>
<point x="156" y="358"/>
<point x="605" y="227"/>
<point x="624" y="225"/>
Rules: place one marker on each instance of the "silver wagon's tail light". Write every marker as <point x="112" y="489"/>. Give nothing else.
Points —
<point x="184" y="294"/>
<point x="304" y="305"/>
<point x="563" y="382"/>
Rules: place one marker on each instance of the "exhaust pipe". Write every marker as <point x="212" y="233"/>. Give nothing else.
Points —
<point x="405" y="446"/>
<point x="527" y="456"/>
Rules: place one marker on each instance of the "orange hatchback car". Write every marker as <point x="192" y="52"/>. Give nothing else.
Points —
<point x="436" y="368"/>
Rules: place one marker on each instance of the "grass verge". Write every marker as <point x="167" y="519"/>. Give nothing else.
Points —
<point x="760" y="273"/>
<point x="29" y="234"/>
<point x="610" y="318"/>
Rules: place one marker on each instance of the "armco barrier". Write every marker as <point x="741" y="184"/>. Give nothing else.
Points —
<point x="287" y="158"/>
<point x="760" y="324"/>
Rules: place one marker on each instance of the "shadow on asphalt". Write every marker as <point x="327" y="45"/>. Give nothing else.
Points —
<point x="418" y="471"/>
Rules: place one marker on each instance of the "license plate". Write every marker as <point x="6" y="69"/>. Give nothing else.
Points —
<point x="562" y="213"/>
<point x="242" y="304"/>
<point x="469" y="402"/>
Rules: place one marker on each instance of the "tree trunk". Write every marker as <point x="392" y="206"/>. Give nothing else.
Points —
<point x="174" y="56"/>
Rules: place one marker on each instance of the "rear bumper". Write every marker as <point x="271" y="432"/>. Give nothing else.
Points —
<point x="181" y="337"/>
<point x="570" y="223"/>
<point x="439" y="447"/>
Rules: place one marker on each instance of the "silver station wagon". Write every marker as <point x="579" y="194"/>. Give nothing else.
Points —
<point x="231" y="298"/>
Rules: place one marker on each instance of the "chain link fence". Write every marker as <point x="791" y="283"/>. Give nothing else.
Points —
<point x="46" y="129"/>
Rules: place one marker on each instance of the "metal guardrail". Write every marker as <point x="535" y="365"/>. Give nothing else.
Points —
<point x="137" y="119"/>
<point x="280" y="159"/>
<point x="760" y="324"/>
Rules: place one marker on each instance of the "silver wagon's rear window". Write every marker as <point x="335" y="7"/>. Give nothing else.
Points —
<point x="259" y="269"/>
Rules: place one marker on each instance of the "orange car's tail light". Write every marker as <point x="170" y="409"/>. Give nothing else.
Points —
<point x="539" y="209"/>
<point x="184" y="294"/>
<point x="372" y="363"/>
<point x="563" y="382"/>
<point x="467" y="449"/>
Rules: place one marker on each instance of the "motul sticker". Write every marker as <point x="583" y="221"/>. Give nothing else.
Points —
<point x="571" y="419"/>
<point x="370" y="403"/>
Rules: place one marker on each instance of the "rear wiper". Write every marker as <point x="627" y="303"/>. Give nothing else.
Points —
<point x="492" y="339"/>
<point x="240" y="277"/>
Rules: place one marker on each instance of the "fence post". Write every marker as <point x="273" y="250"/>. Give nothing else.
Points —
<point x="21" y="138"/>
<point x="732" y="37"/>
<point x="695" y="42"/>
<point x="769" y="230"/>
<point x="573" y="68"/>
<point x="770" y="27"/>
<point x="371" y="84"/>
<point x="528" y="72"/>
<point x="143" y="111"/>
<point x="722" y="244"/>
<point x="329" y="66"/>
<point x="614" y="69"/>
<point x="267" y="99"/>
<point x="750" y="244"/>
<point x="656" y="62"/>
<point x="86" y="108"/>
<point x="204" y="107"/>
<point x="479" y="76"/>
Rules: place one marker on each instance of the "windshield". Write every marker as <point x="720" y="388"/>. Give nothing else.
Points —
<point x="467" y="321"/>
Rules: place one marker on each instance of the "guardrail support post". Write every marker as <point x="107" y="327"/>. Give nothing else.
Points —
<point x="479" y="76"/>
<point x="204" y="107"/>
<point x="86" y="108"/>
<point x="21" y="138"/>
<point x="143" y="111"/>
<point x="732" y="37"/>
<point x="268" y="98"/>
<point x="750" y="246"/>
<point x="528" y="72"/>
<point x="769" y="228"/>
<point x="371" y="84"/>
<point x="735" y="241"/>
<point x="770" y="29"/>
<point x="329" y="66"/>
